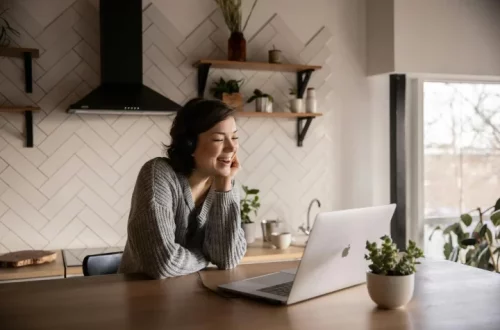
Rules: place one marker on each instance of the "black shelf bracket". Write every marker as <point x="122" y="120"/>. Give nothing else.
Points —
<point x="302" y="81"/>
<point x="28" y="81"/>
<point x="28" y="118"/>
<point x="302" y="129"/>
<point x="28" y="72"/>
<point x="203" y="70"/>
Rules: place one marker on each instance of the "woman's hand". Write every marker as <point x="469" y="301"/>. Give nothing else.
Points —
<point x="224" y="183"/>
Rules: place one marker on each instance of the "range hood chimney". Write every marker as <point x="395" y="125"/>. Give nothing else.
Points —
<point x="121" y="90"/>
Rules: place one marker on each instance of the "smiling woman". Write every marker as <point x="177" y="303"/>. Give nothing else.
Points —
<point x="185" y="209"/>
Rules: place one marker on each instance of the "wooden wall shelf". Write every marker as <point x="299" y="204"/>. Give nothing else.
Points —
<point x="277" y="114"/>
<point x="4" y="108"/>
<point x="27" y="54"/>
<point x="303" y="75"/>
<point x="256" y="66"/>
<point x="18" y="52"/>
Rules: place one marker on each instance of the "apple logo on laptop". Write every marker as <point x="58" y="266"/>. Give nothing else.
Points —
<point x="345" y="251"/>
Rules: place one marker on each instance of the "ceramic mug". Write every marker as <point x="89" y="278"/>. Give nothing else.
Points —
<point x="281" y="240"/>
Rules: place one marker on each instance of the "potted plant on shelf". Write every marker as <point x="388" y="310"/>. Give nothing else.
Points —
<point x="249" y="204"/>
<point x="296" y="104"/>
<point x="229" y="92"/>
<point x="231" y="10"/>
<point x="6" y="30"/>
<point x="391" y="278"/>
<point x="474" y="243"/>
<point x="263" y="101"/>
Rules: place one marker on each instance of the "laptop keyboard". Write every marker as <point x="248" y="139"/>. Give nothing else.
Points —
<point x="282" y="289"/>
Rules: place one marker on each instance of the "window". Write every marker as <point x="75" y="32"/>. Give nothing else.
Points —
<point x="461" y="146"/>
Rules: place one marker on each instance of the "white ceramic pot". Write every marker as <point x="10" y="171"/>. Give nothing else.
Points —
<point x="390" y="292"/>
<point x="249" y="229"/>
<point x="261" y="104"/>
<point x="297" y="105"/>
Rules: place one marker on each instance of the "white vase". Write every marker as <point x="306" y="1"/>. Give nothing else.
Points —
<point x="311" y="103"/>
<point x="297" y="105"/>
<point x="249" y="229"/>
<point x="390" y="292"/>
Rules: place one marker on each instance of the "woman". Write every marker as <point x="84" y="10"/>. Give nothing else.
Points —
<point x="185" y="209"/>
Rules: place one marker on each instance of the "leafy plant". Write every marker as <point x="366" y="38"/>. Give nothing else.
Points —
<point x="387" y="260"/>
<point x="478" y="244"/>
<point x="222" y="86"/>
<point x="249" y="203"/>
<point x="6" y="30"/>
<point x="231" y="10"/>
<point x="257" y="93"/>
<point x="293" y="91"/>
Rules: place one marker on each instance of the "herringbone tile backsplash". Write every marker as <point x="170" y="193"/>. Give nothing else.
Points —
<point x="73" y="188"/>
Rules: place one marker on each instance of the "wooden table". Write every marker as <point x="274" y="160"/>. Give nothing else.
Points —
<point x="447" y="296"/>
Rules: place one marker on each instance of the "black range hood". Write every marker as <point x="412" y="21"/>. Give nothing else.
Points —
<point x="121" y="90"/>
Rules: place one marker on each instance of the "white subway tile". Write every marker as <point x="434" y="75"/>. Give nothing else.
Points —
<point x="23" y="187"/>
<point x="16" y="203"/>
<point x="23" y="166"/>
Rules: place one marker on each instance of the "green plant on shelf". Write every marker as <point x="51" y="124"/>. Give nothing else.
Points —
<point x="257" y="93"/>
<point x="225" y="86"/>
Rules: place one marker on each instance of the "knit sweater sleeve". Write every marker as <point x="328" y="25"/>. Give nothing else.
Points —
<point x="225" y="242"/>
<point x="152" y="228"/>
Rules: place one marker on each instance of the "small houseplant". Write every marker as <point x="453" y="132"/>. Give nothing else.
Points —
<point x="476" y="244"/>
<point x="229" y="92"/>
<point x="391" y="278"/>
<point x="237" y="45"/>
<point x="263" y="101"/>
<point x="249" y="204"/>
<point x="6" y="30"/>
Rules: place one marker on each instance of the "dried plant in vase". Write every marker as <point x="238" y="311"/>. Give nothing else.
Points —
<point x="231" y="10"/>
<point x="6" y="30"/>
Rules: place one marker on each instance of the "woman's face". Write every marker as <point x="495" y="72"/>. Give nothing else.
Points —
<point x="216" y="149"/>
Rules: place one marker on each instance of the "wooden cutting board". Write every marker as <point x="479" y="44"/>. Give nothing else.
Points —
<point x="26" y="258"/>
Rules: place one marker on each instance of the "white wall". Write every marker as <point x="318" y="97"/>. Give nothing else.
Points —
<point x="445" y="37"/>
<point x="380" y="36"/>
<point x="73" y="188"/>
<point x="448" y="36"/>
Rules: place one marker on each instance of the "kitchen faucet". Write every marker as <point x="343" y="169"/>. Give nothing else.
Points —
<point x="307" y="230"/>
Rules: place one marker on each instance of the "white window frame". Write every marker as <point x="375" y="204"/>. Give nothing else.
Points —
<point x="415" y="151"/>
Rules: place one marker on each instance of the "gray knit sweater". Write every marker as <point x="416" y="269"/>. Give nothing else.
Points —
<point x="168" y="236"/>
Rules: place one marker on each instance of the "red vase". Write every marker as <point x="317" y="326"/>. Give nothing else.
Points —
<point x="237" y="47"/>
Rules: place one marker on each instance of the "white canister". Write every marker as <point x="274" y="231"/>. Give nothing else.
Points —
<point x="311" y="103"/>
<point x="296" y="105"/>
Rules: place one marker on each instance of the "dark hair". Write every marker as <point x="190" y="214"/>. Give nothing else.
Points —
<point x="195" y="117"/>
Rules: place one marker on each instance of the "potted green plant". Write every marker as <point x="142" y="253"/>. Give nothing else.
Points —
<point x="229" y="92"/>
<point x="231" y="11"/>
<point x="249" y="204"/>
<point x="6" y="30"/>
<point x="263" y="101"/>
<point x="474" y="243"/>
<point x="391" y="278"/>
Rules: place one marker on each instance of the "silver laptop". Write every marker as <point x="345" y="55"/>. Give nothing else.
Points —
<point x="333" y="258"/>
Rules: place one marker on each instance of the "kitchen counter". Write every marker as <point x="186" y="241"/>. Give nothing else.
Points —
<point x="69" y="261"/>
<point x="50" y="270"/>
